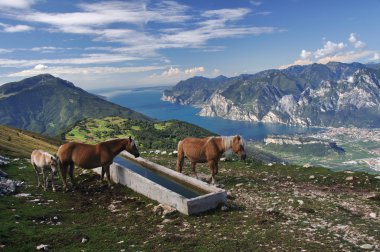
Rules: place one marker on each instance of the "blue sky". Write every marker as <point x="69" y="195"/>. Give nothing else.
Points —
<point x="101" y="44"/>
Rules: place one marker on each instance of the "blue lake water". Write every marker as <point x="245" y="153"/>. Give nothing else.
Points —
<point x="147" y="101"/>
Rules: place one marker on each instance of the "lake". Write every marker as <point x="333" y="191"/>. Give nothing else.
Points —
<point x="147" y="101"/>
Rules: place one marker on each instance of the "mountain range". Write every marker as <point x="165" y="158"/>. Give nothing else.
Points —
<point x="48" y="105"/>
<point x="333" y="94"/>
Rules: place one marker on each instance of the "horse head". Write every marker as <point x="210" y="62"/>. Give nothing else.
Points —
<point x="238" y="147"/>
<point x="54" y="163"/>
<point x="131" y="147"/>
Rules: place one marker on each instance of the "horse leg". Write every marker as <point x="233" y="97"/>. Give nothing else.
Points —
<point x="63" y="175"/>
<point x="180" y="160"/>
<point x="44" y="179"/>
<point x="71" y="173"/>
<point x="192" y="165"/>
<point x="107" y="169"/>
<point x="52" y="181"/>
<point x="102" y="176"/>
<point x="213" y="169"/>
<point x="38" y="175"/>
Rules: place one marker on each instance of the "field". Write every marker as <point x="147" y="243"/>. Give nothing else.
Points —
<point x="270" y="208"/>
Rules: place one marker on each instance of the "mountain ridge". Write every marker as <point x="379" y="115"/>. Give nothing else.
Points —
<point x="312" y="95"/>
<point x="46" y="104"/>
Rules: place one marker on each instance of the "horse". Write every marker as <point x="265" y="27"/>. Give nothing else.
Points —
<point x="44" y="161"/>
<point x="89" y="156"/>
<point x="208" y="150"/>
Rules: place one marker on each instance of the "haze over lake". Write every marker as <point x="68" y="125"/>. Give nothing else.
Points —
<point x="148" y="102"/>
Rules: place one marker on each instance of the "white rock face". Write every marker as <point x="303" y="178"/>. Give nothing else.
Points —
<point x="220" y="106"/>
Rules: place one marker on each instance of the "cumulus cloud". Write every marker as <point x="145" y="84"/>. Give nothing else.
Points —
<point x="40" y="67"/>
<point x="355" y="42"/>
<point x="195" y="70"/>
<point x="172" y="71"/>
<point x="329" y="48"/>
<point x="15" y="28"/>
<point x="376" y="56"/>
<point x="335" y="51"/>
<point x="305" y="54"/>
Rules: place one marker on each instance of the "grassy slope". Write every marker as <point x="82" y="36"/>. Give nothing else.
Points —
<point x="20" y="143"/>
<point x="150" y="135"/>
<point x="264" y="213"/>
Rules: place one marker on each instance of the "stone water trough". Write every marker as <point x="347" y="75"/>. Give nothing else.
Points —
<point x="186" y="194"/>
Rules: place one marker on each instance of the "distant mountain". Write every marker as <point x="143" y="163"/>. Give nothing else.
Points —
<point x="335" y="94"/>
<point x="46" y="104"/>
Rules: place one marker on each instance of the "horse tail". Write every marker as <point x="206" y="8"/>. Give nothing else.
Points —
<point x="180" y="156"/>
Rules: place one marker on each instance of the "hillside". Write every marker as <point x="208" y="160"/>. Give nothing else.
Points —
<point x="335" y="94"/>
<point x="47" y="105"/>
<point x="149" y="135"/>
<point x="20" y="143"/>
<point x="269" y="208"/>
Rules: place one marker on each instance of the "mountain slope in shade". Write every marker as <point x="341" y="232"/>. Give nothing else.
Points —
<point x="335" y="94"/>
<point x="47" y="105"/>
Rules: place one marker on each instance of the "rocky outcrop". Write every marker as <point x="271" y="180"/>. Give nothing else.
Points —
<point x="334" y="94"/>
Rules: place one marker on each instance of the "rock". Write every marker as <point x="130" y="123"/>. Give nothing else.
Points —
<point x="373" y="215"/>
<point x="377" y="177"/>
<point x="84" y="240"/>
<point x="312" y="177"/>
<point x="42" y="247"/>
<point x="7" y="186"/>
<point x="224" y="208"/>
<point x="240" y="184"/>
<point x="366" y="246"/>
<point x="166" y="221"/>
<point x="300" y="202"/>
<point x="230" y="195"/>
<point x="307" y="165"/>
<point x="270" y="164"/>
<point x="350" y="178"/>
<point x="164" y="210"/>
<point x="164" y="152"/>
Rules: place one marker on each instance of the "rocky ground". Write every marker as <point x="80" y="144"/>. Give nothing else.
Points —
<point x="269" y="208"/>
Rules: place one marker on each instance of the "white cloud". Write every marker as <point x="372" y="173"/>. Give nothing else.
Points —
<point x="172" y="71"/>
<point x="335" y="51"/>
<point x="329" y="48"/>
<point x="16" y="4"/>
<point x="3" y="50"/>
<point x="216" y="72"/>
<point x="38" y="69"/>
<point x="355" y="42"/>
<point x="15" y="28"/>
<point x="376" y="56"/>
<point x="194" y="70"/>
<point x="255" y="3"/>
<point x="305" y="54"/>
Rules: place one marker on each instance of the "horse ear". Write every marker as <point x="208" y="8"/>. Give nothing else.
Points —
<point x="130" y="138"/>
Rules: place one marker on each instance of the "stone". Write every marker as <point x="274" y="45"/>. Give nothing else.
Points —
<point x="240" y="184"/>
<point x="224" y="208"/>
<point x="42" y="247"/>
<point x="307" y="165"/>
<point x="366" y="246"/>
<point x="300" y="202"/>
<point x="312" y="177"/>
<point x="373" y="215"/>
<point x="164" y="210"/>
<point x="84" y="240"/>
<point x="349" y="178"/>
<point x="377" y="177"/>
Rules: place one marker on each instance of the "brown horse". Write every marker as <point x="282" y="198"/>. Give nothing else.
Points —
<point x="44" y="162"/>
<point x="208" y="150"/>
<point x="89" y="156"/>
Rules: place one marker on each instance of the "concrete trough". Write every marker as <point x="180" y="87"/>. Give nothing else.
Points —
<point x="206" y="196"/>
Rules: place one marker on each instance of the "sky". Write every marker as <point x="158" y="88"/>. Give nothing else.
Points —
<point x="105" y="44"/>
